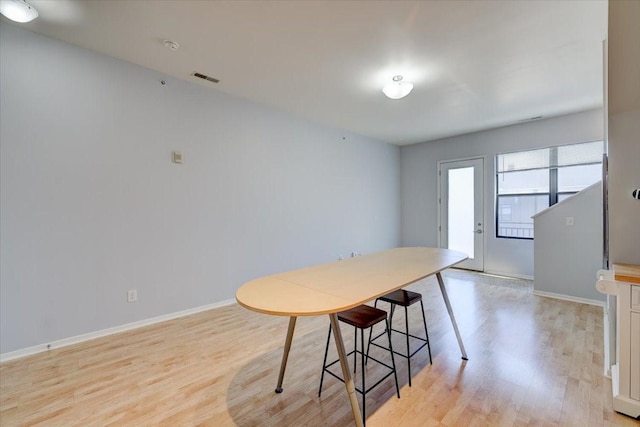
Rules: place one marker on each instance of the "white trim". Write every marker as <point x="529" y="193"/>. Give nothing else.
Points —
<point x="463" y="159"/>
<point x="561" y="202"/>
<point x="109" y="331"/>
<point x="570" y="298"/>
<point x="622" y="403"/>
<point x="508" y="275"/>
<point x="440" y="163"/>
<point x="439" y="193"/>
<point x="607" y="356"/>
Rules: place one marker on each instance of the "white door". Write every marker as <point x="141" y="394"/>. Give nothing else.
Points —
<point x="462" y="209"/>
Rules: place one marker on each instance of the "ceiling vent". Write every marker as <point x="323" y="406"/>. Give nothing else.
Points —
<point x="203" y="77"/>
<point x="530" y="119"/>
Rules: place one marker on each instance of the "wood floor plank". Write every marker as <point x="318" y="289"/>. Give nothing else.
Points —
<point x="532" y="361"/>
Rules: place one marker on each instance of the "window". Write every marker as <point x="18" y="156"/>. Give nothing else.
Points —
<point x="530" y="181"/>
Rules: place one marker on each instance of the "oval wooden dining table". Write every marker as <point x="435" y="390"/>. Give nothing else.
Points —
<point x="340" y="285"/>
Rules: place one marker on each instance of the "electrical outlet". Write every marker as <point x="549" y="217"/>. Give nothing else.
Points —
<point x="132" y="295"/>
<point x="570" y="221"/>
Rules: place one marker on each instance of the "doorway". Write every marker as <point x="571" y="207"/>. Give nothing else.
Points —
<point x="461" y="210"/>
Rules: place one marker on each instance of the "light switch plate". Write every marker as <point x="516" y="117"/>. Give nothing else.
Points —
<point x="176" y="157"/>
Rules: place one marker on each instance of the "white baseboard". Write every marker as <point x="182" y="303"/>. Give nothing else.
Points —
<point x="109" y="331"/>
<point x="569" y="298"/>
<point x="508" y="275"/>
<point x="622" y="403"/>
<point x="607" y="349"/>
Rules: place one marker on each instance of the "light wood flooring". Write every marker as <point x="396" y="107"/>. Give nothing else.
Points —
<point x="532" y="361"/>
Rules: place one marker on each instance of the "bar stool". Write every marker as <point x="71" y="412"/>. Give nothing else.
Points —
<point x="361" y="318"/>
<point x="404" y="299"/>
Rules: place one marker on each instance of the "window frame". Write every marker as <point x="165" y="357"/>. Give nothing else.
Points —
<point x="497" y="213"/>
<point x="553" y="192"/>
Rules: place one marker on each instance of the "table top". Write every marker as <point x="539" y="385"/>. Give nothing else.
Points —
<point x="341" y="285"/>
<point x="627" y="273"/>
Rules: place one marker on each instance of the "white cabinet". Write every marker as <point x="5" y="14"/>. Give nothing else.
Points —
<point x="635" y="355"/>
<point x="624" y="283"/>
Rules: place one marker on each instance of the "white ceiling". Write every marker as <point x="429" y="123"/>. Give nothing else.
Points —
<point x="475" y="64"/>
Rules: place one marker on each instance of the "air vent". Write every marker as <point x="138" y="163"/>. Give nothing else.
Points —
<point x="203" y="77"/>
<point x="530" y="119"/>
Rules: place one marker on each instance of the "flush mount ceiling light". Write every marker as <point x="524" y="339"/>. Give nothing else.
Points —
<point x="18" y="10"/>
<point x="397" y="88"/>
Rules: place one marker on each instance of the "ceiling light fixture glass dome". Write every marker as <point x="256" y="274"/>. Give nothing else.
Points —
<point x="398" y="88"/>
<point x="18" y="10"/>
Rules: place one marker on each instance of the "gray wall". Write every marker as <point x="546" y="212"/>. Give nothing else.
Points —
<point x="419" y="166"/>
<point x="624" y="131"/>
<point x="568" y="257"/>
<point x="91" y="205"/>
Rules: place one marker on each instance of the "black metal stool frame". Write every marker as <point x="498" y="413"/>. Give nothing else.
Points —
<point x="406" y="333"/>
<point x="363" y="391"/>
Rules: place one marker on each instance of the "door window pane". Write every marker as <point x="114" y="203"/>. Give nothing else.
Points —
<point x="461" y="211"/>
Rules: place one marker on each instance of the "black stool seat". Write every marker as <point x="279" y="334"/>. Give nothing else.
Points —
<point x="401" y="297"/>
<point x="363" y="316"/>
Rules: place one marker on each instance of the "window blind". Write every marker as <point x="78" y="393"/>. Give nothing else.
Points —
<point x="551" y="157"/>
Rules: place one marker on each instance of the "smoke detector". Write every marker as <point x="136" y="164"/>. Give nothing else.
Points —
<point x="171" y="45"/>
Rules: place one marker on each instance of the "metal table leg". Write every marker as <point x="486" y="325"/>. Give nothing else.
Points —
<point x="453" y="319"/>
<point x="346" y="372"/>
<point x="285" y="354"/>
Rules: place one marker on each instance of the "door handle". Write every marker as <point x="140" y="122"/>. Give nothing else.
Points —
<point x="478" y="231"/>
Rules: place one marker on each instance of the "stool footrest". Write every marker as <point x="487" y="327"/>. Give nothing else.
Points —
<point x="426" y="340"/>
<point x="404" y="298"/>
<point x="387" y="375"/>
<point x="401" y="354"/>
<point x="361" y="317"/>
